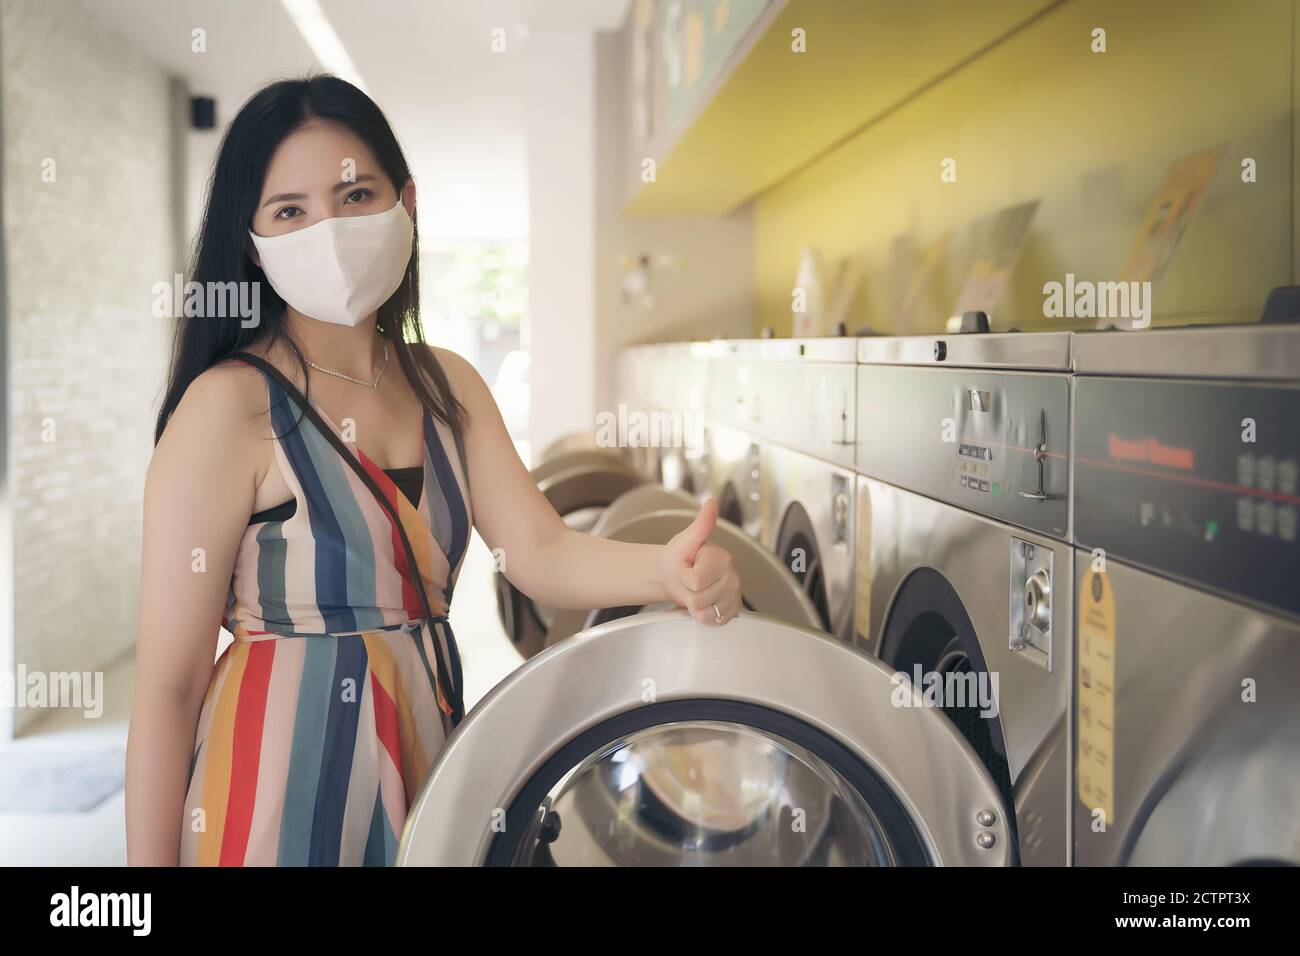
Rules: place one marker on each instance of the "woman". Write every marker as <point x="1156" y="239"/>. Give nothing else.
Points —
<point x="325" y="529"/>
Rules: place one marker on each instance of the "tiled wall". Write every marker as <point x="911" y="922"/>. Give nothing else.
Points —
<point x="85" y="355"/>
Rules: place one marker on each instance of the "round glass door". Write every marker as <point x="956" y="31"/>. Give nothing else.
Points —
<point x="706" y="783"/>
<point x="704" y="793"/>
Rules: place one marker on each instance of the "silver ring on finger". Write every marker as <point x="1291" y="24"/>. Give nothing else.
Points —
<point x="717" y="615"/>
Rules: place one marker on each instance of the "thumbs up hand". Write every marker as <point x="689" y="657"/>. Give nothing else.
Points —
<point x="700" y="576"/>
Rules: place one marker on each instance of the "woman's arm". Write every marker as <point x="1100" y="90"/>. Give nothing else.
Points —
<point x="199" y="494"/>
<point x="560" y="567"/>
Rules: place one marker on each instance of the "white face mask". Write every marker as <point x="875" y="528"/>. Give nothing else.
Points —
<point x="339" y="270"/>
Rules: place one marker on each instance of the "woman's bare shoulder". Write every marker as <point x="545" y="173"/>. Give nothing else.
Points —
<point x="466" y="383"/>
<point x="225" y="406"/>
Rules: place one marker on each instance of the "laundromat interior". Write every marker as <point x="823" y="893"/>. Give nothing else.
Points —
<point x="975" y="321"/>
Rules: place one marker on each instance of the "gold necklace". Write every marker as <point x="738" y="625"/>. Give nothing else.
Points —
<point x="372" y="386"/>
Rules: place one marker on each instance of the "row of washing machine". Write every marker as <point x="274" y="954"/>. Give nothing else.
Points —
<point x="1079" y="547"/>
<point x="955" y="503"/>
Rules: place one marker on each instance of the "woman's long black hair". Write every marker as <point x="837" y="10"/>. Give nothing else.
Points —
<point x="221" y="250"/>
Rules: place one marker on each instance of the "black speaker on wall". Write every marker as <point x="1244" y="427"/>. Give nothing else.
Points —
<point x="203" y="112"/>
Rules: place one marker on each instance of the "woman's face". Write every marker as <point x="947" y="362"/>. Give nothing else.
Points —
<point x="318" y="172"/>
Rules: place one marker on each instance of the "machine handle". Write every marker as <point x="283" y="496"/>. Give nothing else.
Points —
<point x="1040" y="452"/>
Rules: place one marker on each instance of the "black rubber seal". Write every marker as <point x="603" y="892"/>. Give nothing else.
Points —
<point x="729" y="506"/>
<point x="904" y="643"/>
<point x="797" y="532"/>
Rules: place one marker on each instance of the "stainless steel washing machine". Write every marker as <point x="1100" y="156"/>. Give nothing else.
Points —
<point x="732" y="421"/>
<point x="663" y="398"/>
<point x="637" y="370"/>
<point x="963" y="561"/>
<point x="653" y="740"/>
<point x="683" y="451"/>
<point x="1187" y="718"/>
<point x="806" y="431"/>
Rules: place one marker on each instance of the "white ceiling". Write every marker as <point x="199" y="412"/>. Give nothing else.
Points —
<point x="455" y="104"/>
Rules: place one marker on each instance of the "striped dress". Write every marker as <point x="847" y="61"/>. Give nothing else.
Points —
<point x="325" y="714"/>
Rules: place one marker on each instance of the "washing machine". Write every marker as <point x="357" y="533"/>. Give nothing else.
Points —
<point x="806" y="433"/>
<point x="662" y="397"/>
<point x="579" y="485"/>
<point x="683" y="449"/>
<point x="637" y="370"/>
<point x="964" y="563"/>
<point x="1187" y="717"/>
<point x="654" y="740"/>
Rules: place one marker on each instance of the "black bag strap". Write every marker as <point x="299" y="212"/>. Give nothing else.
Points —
<point x="450" y="685"/>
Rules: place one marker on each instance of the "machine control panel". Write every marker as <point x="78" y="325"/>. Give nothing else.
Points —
<point x="993" y="442"/>
<point x="1199" y="480"/>
<point x="976" y="467"/>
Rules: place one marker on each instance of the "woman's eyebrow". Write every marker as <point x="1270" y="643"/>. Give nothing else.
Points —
<point x="348" y="183"/>
<point x="345" y="184"/>
<point x="281" y="197"/>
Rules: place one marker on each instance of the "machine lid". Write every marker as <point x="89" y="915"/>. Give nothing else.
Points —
<point x="639" y="501"/>
<point x="656" y="740"/>
<point x="1045" y="351"/>
<point x="573" y="441"/>
<point x="589" y="459"/>
<point x="767" y="585"/>
<point x="587" y="486"/>
<point x="1248" y="351"/>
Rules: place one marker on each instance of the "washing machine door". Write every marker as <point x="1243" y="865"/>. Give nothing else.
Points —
<point x="638" y="501"/>
<point x="579" y="488"/>
<point x="654" y="740"/>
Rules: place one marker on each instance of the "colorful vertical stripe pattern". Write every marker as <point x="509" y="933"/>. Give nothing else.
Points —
<point x="324" y="716"/>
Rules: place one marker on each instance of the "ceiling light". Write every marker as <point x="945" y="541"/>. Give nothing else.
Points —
<point x="309" y="18"/>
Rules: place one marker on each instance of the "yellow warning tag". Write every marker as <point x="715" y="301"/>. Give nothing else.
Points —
<point x="1095" y="765"/>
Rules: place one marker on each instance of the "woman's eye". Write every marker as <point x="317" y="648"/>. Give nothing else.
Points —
<point x="358" y="195"/>
<point x="288" y="212"/>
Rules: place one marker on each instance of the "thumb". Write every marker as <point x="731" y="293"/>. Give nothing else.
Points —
<point x="697" y="532"/>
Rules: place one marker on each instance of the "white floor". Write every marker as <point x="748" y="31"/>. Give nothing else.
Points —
<point x="487" y="656"/>
<point x="98" y="838"/>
